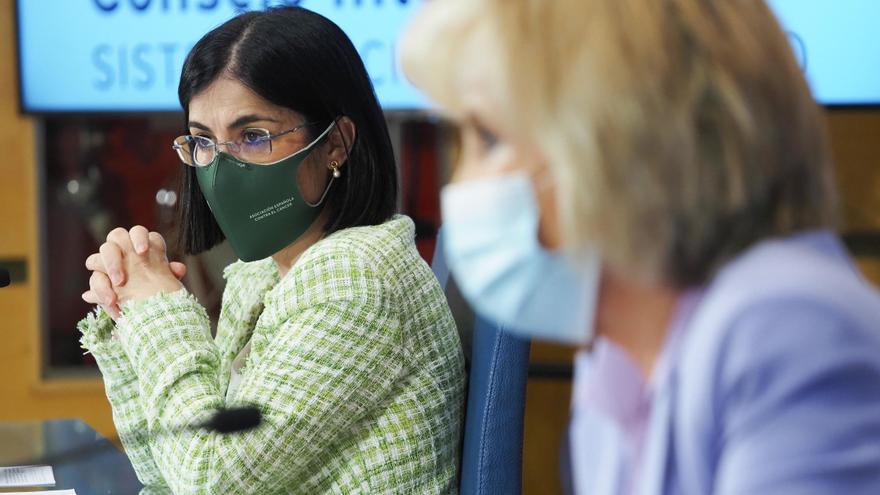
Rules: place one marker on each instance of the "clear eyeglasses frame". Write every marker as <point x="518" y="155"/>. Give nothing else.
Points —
<point x="254" y="145"/>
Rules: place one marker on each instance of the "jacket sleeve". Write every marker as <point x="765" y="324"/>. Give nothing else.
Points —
<point x="121" y="387"/>
<point x="801" y="404"/>
<point x="314" y="376"/>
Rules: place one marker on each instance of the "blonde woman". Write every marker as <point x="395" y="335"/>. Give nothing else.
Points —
<point x="652" y="178"/>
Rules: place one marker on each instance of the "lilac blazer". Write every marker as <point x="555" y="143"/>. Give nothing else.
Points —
<point x="776" y="385"/>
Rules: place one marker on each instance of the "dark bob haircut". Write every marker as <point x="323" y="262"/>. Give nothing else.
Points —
<point x="300" y="60"/>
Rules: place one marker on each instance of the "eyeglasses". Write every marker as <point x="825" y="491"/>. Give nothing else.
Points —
<point x="254" y="145"/>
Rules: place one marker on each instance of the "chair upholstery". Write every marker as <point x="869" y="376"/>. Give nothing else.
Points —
<point x="493" y="433"/>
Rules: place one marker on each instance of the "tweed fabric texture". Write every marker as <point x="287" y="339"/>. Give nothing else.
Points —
<point x="355" y="363"/>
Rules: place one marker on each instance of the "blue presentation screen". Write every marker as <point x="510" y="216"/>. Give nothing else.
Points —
<point x="838" y="42"/>
<point x="126" y="55"/>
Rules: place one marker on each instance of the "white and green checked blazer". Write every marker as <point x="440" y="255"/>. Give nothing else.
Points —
<point x="355" y="362"/>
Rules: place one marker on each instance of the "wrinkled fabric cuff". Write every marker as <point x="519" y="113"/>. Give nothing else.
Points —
<point x="98" y="339"/>
<point x="96" y="329"/>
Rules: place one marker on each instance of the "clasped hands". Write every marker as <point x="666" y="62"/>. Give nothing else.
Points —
<point x="132" y="265"/>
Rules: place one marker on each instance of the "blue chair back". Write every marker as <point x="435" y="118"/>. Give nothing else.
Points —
<point x="491" y="461"/>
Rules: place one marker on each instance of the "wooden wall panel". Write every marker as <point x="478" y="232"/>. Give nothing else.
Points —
<point x="23" y="392"/>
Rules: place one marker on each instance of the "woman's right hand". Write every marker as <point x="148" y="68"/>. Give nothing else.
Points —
<point x="107" y="269"/>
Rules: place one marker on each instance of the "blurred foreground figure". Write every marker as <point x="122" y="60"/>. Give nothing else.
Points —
<point x="652" y="179"/>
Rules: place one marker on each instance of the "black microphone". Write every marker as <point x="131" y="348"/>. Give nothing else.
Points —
<point x="233" y="420"/>
<point x="224" y="421"/>
<point x="4" y="277"/>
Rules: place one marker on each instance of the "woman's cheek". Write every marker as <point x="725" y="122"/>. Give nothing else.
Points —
<point x="468" y="170"/>
<point x="478" y="162"/>
<point x="471" y="164"/>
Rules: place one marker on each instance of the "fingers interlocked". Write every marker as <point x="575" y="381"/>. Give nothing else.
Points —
<point x="107" y="265"/>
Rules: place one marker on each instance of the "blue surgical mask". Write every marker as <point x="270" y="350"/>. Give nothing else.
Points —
<point x="490" y="239"/>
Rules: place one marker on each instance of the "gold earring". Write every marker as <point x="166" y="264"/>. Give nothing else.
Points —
<point x="334" y="166"/>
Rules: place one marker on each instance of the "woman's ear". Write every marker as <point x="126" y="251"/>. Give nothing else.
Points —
<point x="341" y="140"/>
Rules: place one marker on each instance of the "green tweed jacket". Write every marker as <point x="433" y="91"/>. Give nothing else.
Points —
<point x="355" y="362"/>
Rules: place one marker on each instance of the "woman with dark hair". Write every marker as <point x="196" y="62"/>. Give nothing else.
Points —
<point x="331" y="323"/>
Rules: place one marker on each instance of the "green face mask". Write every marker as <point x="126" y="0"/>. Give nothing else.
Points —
<point x="259" y="207"/>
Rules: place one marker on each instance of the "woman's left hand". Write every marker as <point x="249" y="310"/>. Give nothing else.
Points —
<point x="146" y="270"/>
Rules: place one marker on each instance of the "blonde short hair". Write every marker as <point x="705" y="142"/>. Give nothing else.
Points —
<point x="679" y="132"/>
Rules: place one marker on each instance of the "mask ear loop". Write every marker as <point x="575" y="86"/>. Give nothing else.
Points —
<point x="543" y="180"/>
<point x="335" y="173"/>
<point x="327" y="189"/>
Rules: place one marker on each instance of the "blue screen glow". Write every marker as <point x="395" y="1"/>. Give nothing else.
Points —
<point x="126" y="55"/>
<point x="838" y="43"/>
